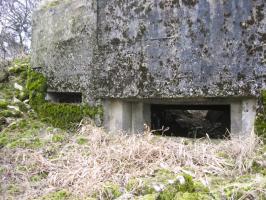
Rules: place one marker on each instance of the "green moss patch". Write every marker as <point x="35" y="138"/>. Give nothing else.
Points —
<point x="36" y="86"/>
<point x="82" y="140"/>
<point x="165" y="185"/>
<point x="58" y="138"/>
<point x="59" y="195"/>
<point x="10" y="113"/>
<point x="19" y="67"/>
<point x="65" y="115"/>
<point x="23" y="134"/>
<point x="13" y="189"/>
<point x="184" y="188"/>
<point x="111" y="191"/>
<point x="62" y="115"/>
<point x="258" y="168"/>
<point x="260" y="123"/>
<point x="238" y="187"/>
<point x="8" y="92"/>
<point x="39" y="176"/>
<point x="16" y="104"/>
<point x="191" y="196"/>
<point x="3" y="104"/>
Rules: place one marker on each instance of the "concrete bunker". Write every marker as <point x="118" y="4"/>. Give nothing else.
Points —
<point x="64" y="97"/>
<point x="194" y="121"/>
<point x="131" y="55"/>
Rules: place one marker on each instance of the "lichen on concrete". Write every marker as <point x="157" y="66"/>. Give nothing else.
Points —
<point x="63" y="44"/>
<point x="186" y="47"/>
<point x="152" y="49"/>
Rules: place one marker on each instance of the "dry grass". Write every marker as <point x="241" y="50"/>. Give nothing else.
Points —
<point x="83" y="169"/>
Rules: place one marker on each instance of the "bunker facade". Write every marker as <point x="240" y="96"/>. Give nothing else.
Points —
<point x="155" y="61"/>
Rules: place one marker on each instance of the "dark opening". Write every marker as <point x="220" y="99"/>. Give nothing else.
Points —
<point x="64" y="97"/>
<point x="194" y="121"/>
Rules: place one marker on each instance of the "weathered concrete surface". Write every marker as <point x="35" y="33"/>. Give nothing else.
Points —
<point x="152" y="48"/>
<point x="117" y="115"/>
<point x="243" y="115"/>
<point x="126" y="116"/>
<point x="63" y="45"/>
<point x="158" y="48"/>
<point x="248" y="115"/>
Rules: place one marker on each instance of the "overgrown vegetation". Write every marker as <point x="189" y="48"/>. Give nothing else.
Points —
<point x="59" y="115"/>
<point x="261" y="119"/>
<point x="22" y="105"/>
<point x="145" y="167"/>
<point x="36" y="86"/>
<point x="66" y="115"/>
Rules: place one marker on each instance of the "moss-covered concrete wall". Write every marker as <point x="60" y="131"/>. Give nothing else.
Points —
<point x="152" y="48"/>
<point x="63" y="44"/>
<point x="174" y="48"/>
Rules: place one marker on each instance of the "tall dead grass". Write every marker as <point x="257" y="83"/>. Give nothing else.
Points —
<point x="83" y="169"/>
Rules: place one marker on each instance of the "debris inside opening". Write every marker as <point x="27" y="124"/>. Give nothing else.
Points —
<point x="193" y="121"/>
<point x="64" y="97"/>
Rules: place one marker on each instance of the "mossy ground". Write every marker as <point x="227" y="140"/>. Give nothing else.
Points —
<point x="165" y="185"/>
<point x="25" y="92"/>
<point x="28" y="122"/>
<point x="261" y="118"/>
<point x="61" y="115"/>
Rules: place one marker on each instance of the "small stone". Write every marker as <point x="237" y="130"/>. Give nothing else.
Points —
<point x="9" y="120"/>
<point x="26" y="101"/>
<point x="163" y="165"/>
<point x="205" y="182"/>
<point x="16" y="100"/>
<point x="18" y="87"/>
<point x="181" y="180"/>
<point x="171" y="181"/>
<point x="27" y="106"/>
<point x="162" y="186"/>
<point x="13" y="108"/>
<point x="157" y="188"/>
